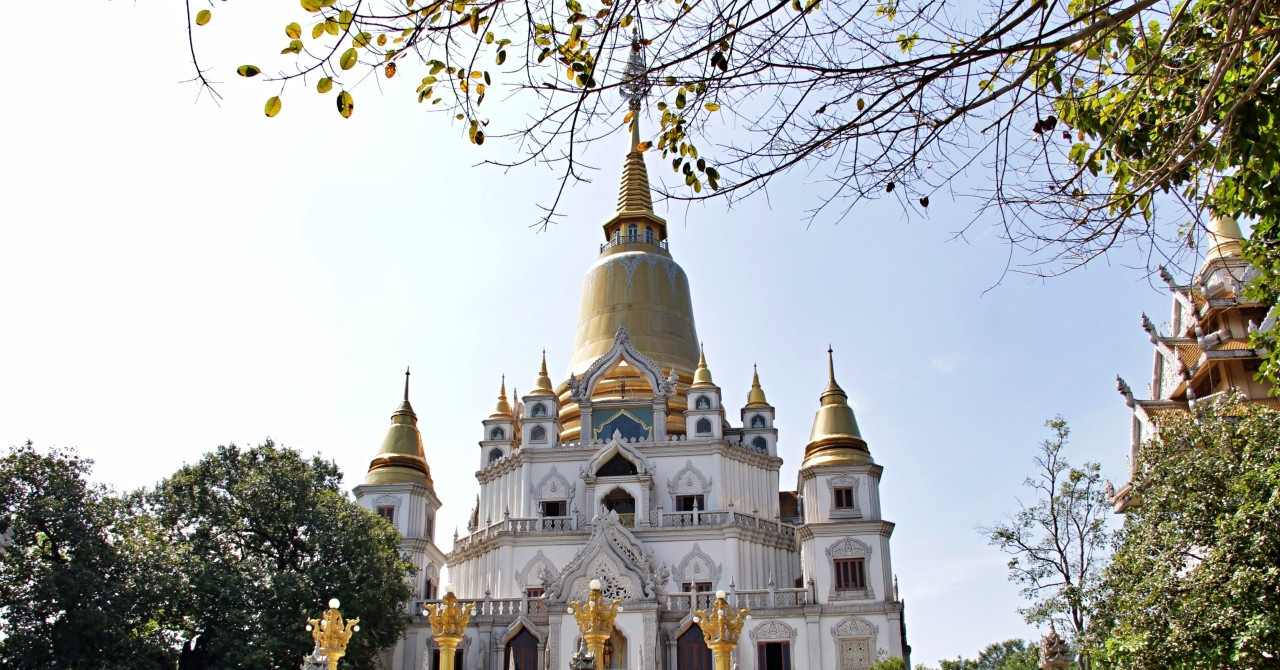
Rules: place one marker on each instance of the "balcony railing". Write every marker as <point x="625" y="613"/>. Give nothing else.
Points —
<point x="755" y="599"/>
<point x="657" y="519"/>
<point x="620" y="240"/>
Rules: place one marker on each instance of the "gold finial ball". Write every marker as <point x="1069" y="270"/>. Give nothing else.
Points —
<point x="334" y="603"/>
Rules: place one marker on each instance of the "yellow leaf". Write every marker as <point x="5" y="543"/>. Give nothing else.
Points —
<point x="391" y="70"/>
<point x="345" y="105"/>
<point x="317" y="30"/>
<point x="324" y="85"/>
<point x="202" y="17"/>
<point x="643" y="146"/>
<point x="331" y="26"/>
<point x="311" y="5"/>
<point x="349" y="59"/>
<point x="293" y="30"/>
<point x="382" y="40"/>
<point x="273" y="106"/>
<point x="248" y="70"/>
<point x="712" y="107"/>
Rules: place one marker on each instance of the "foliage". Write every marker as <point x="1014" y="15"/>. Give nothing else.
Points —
<point x="892" y="663"/>
<point x="82" y="584"/>
<point x="1196" y="574"/>
<point x="1011" y="654"/>
<point x="270" y="538"/>
<point x="1058" y="544"/>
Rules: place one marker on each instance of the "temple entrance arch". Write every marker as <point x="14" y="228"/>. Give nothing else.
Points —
<point x="522" y="652"/>
<point x="692" y="652"/>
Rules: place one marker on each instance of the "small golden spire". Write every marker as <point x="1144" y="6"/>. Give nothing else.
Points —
<point x="503" y="408"/>
<point x="1224" y="237"/>
<point x="702" y="376"/>
<point x="835" y="438"/>
<point x="401" y="458"/>
<point x="543" y="384"/>
<point x="832" y="386"/>
<point x="755" y="397"/>
<point x="406" y="383"/>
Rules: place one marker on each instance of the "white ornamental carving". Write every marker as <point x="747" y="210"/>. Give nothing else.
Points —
<point x="855" y="654"/>
<point x="773" y="630"/>
<point x="849" y="548"/>
<point x="623" y="349"/>
<point x="613" y="583"/>
<point x="534" y="570"/>
<point x="854" y="627"/>
<point x="645" y="578"/>
<point x="689" y="481"/>
<point x="697" y="566"/>
<point x="554" y="486"/>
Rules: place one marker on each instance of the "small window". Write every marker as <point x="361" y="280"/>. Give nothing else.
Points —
<point x="799" y="582"/>
<point x="555" y="508"/>
<point x="760" y="445"/>
<point x="617" y="467"/>
<point x="533" y="592"/>
<point x="757" y="421"/>
<point x="495" y="455"/>
<point x="648" y="234"/>
<point x="430" y="592"/>
<point x="387" y="512"/>
<point x="851" y="574"/>
<point x="687" y="503"/>
<point x="696" y="587"/>
<point x="702" y="402"/>
<point x="430" y="530"/>
<point x="633" y="232"/>
<point x="703" y="427"/>
<point x="538" y="434"/>
<point x="773" y="656"/>
<point x="844" y="497"/>
<point x="539" y="410"/>
<point x="497" y="434"/>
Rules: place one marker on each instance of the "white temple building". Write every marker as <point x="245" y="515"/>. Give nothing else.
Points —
<point x="631" y="471"/>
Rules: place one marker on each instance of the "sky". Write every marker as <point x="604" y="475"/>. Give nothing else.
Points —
<point x="176" y="274"/>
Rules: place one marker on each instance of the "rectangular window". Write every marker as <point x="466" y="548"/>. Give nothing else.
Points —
<point x="773" y="656"/>
<point x="388" y="513"/>
<point x="850" y="574"/>
<point x="555" y="508"/>
<point x="533" y="592"/>
<point x="799" y="582"/>
<point x="697" y="587"/>
<point x="430" y="529"/>
<point x="686" y="503"/>
<point x="844" y="497"/>
<point x="432" y="592"/>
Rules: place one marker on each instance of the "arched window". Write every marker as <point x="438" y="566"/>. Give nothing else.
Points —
<point x="757" y="421"/>
<point x="704" y="426"/>
<point x="703" y="402"/>
<point x="633" y="232"/>
<point x="522" y="651"/>
<point x="648" y="234"/>
<point x="497" y="434"/>
<point x="617" y="467"/>
<point x="692" y="652"/>
<point x="760" y="445"/>
<point x="539" y="410"/>
<point x="538" y="434"/>
<point x="495" y="455"/>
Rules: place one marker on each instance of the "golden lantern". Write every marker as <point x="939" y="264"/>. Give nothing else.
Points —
<point x="595" y="619"/>
<point x="448" y="621"/>
<point x="331" y="633"/>
<point x="721" y="628"/>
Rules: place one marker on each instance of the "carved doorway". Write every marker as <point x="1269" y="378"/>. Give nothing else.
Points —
<point x="692" y="652"/>
<point x="522" y="652"/>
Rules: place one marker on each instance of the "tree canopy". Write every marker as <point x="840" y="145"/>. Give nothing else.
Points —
<point x="1013" y="654"/>
<point x="1195" y="578"/>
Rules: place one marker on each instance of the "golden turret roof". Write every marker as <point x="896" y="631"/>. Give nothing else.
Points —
<point x="835" y="438"/>
<point x="702" y="376"/>
<point x="542" y="386"/>
<point x="401" y="459"/>
<point x="755" y="397"/>
<point x="1224" y="238"/>
<point x="502" y="409"/>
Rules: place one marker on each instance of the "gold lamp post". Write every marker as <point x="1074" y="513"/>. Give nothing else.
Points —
<point x="331" y="633"/>
<point x="448" y="624"/>
<point x="721" y="628"/>
<point x="595" y="619"/>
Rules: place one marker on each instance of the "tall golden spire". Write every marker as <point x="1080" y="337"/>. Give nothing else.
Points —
<point x="835" y="438"/>
<point x="1224" y="237"/>
<point x="503" y="408"/>
<point x="635" y="199"/>
<point x="543" y="384"/>
<point x="702" y="376"/>
<point x="401" y="459"/>
<point x="755" y="397"/>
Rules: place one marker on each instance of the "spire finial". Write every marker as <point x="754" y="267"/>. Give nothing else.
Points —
<point x="406" y="383"/>
<point x="503" y="408"/>
<point x="702" y="376"/>
<point x="542" y="385"/>
<point x="831" y="364"/>
<point x="755" y="397"/>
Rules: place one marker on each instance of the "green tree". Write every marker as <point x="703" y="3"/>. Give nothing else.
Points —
<point x="1013" y="654"/>
<point x="1058" y="544"/>
<point x="82" y="584"/>
<point x="1196" y="574"/>
<point x="269" y="537"/>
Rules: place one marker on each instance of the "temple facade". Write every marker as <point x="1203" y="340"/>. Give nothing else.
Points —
<point x="630" y="470"/>
<point x="1205" y="352"/>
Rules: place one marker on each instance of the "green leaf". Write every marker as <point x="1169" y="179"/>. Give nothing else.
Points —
<point x="712" y="107"/>
<point x="349" y="59"/>
<point x="324" y="85"/>
<point x="312" y="6"/>
<point x="248" y="70"/>
<point x="273" y="106"/>
<point x="345" y="104"/>
<point x="317" y="30"/>
<point x="344" y="19"/>
<point x="203" y="16"/>
<point x="293" y="30"/>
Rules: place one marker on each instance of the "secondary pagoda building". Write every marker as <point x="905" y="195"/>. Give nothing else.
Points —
<point x="1206" y="352"/>
<point x="631" y="471"/>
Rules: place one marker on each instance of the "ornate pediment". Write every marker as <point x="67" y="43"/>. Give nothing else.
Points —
<point x="849" y="548"/>
<point x="625" y="568"/>
<point x="854" y="627"/>
<point x="580" y="388"/>
<point x="697" y="566"/>
<point x="773" y="630"/>
<point x="536" y="572"/>
<point x="689" y="481"/>
<point x="616" y="446"/>
<point x="554" y="486"/>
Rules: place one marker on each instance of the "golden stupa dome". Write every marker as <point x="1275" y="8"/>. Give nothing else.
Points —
<point x="502" y="409"/>
<point x="755" y="397"/>
<point x="835" y="438"/>
<point x="702" y="376"/>
<point x="1224" y="238"/>
<point x="401" y="459"/>
<point x="542" y="386"/>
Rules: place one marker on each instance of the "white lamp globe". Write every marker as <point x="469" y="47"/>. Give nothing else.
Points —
<point x="333" y="603"/>
<point x="719" y="595"/>
<point x="448" y="588"/>
<point x="595" y="585"/>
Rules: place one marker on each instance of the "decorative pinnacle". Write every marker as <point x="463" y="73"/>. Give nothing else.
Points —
<point x="406" y="383"/>
<point x="635" y="76"/>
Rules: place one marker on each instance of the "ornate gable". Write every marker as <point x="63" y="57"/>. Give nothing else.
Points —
<point x="538" y="572"/>
<point x="580" y="388"/>
<point x="625" y="568"/>
<point x="697" y="566"/>
<point x="689" y="481"/>
<point x="554" y="486"/>
<point x="616" y="446"/>
<point x="854" y="627"/>
<point x="849" y="548"/>
<point x="773" y="630"/>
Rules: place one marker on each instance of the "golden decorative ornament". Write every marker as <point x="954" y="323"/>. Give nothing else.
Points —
<point x="401" y="459"/>
<point x="721" y="628"/>
<point x="835" y="438"/>
<point x="755" y="397"/>
<point x="502" y="408"/>
<point x="331" y="633"/>
<point x="595" y="618"/>
<point x="543" y="384"/>
<point x="702" y="376"/>
<point x="1224" y="238"/>
<point x="448" y="621"/>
